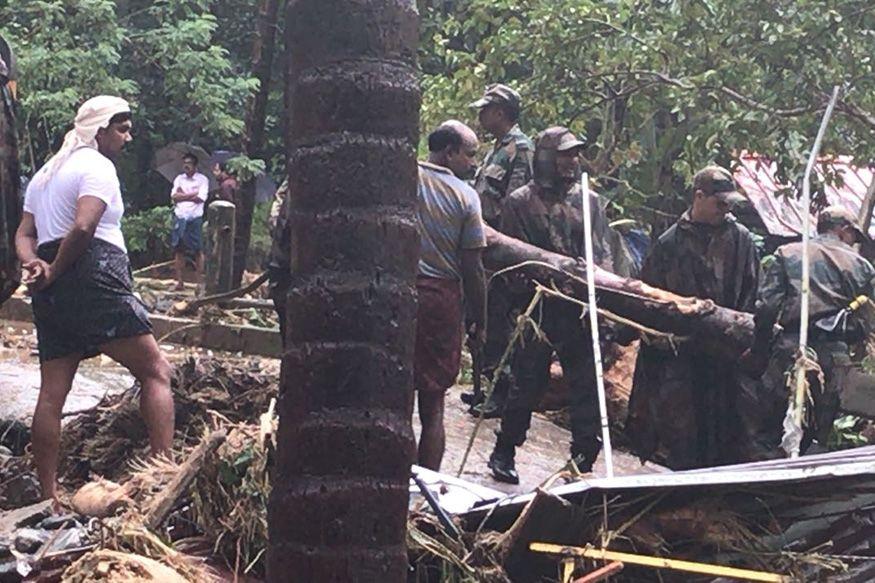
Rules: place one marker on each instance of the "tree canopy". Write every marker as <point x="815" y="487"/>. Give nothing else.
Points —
<point x="662" y="87"/>
<point x="658" y="87"/>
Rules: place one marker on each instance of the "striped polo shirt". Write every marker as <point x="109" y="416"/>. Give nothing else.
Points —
<point x="449" y="221"/>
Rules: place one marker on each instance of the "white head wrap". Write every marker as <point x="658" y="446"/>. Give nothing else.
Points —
<point x="92" y="115"/>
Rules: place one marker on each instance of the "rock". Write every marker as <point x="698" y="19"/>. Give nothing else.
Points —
<point x="9" y="572"/>
<point x="29" y="540"/>
<point x="28" y="516"/>
<point x="21" y="490"/>
<point x="5" y="549"/>
<point x="60" y="521"/>
<point x="14" y="435"/>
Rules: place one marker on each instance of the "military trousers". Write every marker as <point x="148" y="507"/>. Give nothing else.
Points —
<point x="570" y="338"/>
<point x="501" y="310"/>
<point x="846" y="387"/>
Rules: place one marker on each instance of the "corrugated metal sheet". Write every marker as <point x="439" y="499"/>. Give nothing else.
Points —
<point x="778" y="204"/>
<point x="846" y="463"/>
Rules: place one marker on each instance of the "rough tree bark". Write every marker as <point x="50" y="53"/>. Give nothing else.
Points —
<point x="263" y="46"/>
<point x="714" y="329"/>
<point x="338" y="508"/>
<point x="10" y="209"/>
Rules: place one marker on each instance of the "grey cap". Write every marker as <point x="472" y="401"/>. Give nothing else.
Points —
<point x="501" y="94"/>
<point x="717" y="181"/>
<point x="837" y="215"/>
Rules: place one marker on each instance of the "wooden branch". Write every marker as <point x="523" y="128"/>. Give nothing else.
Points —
<point x="845" y="107"/>
<point x="187" y="306"/>
<point x="713" y="329"/>
<point x="149" y="268"/>
<point x="245" y="303"/>
<point x="857" y="113"/>
<point x="162" y="504"/>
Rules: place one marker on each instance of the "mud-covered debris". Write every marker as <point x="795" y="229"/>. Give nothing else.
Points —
<point x="118" y="567"/>
<point x="206" y="391"/>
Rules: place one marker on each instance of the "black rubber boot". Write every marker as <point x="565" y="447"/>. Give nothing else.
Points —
<point x="584" y="454"/>
<point x="489" y="409"/>
<point x="502" y="465"/>
<point x="583" y="463"/>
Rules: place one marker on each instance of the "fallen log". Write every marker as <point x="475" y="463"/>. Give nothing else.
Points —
<point x="161" y="506"/>
<point x="713" y="329"/>
<point x="187" y="306"/>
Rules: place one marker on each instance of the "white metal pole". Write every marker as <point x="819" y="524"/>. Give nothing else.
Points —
<point x="806" y="233"/>
<point x="594" y="325"/>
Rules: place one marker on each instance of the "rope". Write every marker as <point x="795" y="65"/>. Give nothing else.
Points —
<point x="496" y="374"/>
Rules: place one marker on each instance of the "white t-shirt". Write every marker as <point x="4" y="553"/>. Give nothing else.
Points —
<point x="197" y="184"/>
<point x="86" y="172"/>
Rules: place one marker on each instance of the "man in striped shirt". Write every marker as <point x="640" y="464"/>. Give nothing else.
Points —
<point x="450" y="269"/>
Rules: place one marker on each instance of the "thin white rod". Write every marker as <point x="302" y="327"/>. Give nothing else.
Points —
<point x="594" y="325"/>
<point x="806" y="271"/>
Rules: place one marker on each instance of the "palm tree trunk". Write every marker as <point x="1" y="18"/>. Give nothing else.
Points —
<point x="338" y="508"/>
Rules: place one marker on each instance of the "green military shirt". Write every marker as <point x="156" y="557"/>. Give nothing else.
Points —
<point x="838" y="274"/>
<point x="507" y="167"/>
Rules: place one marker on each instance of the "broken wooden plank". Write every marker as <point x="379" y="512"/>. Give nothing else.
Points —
<point x="161" y="505"/>
<point x="659" y="562"/>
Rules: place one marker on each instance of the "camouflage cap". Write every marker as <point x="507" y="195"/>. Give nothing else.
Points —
<point x="838" y="216"/>
<point x="557" y="138"/>
<point x="501" y="94"/>
<point x="717" y="181"/>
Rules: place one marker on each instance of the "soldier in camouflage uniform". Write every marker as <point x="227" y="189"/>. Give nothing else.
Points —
<point x="507" y="167"/>
<point x="838" y="275"/>
<point x="548" y="213"/>
<point x="683" y="411"/>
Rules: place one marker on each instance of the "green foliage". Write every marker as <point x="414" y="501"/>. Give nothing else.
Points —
<point x="246" y="168"/>
<point x="661" y="88"/>
<point x="149" y="231"/>
<point x="847" y="433"/>
<point x="68" y="50"/>
<point x="162" y="56"/>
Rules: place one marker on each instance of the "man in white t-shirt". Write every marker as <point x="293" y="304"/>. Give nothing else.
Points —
<point x="74" y="263"/>
<point x="189" y="193"/>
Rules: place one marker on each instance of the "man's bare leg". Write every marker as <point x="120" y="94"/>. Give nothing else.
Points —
<point x="56" y="378"/>
<point x="141" y="356"/>
<point x="179" y="267"/>
<point x="432" y="439"/>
